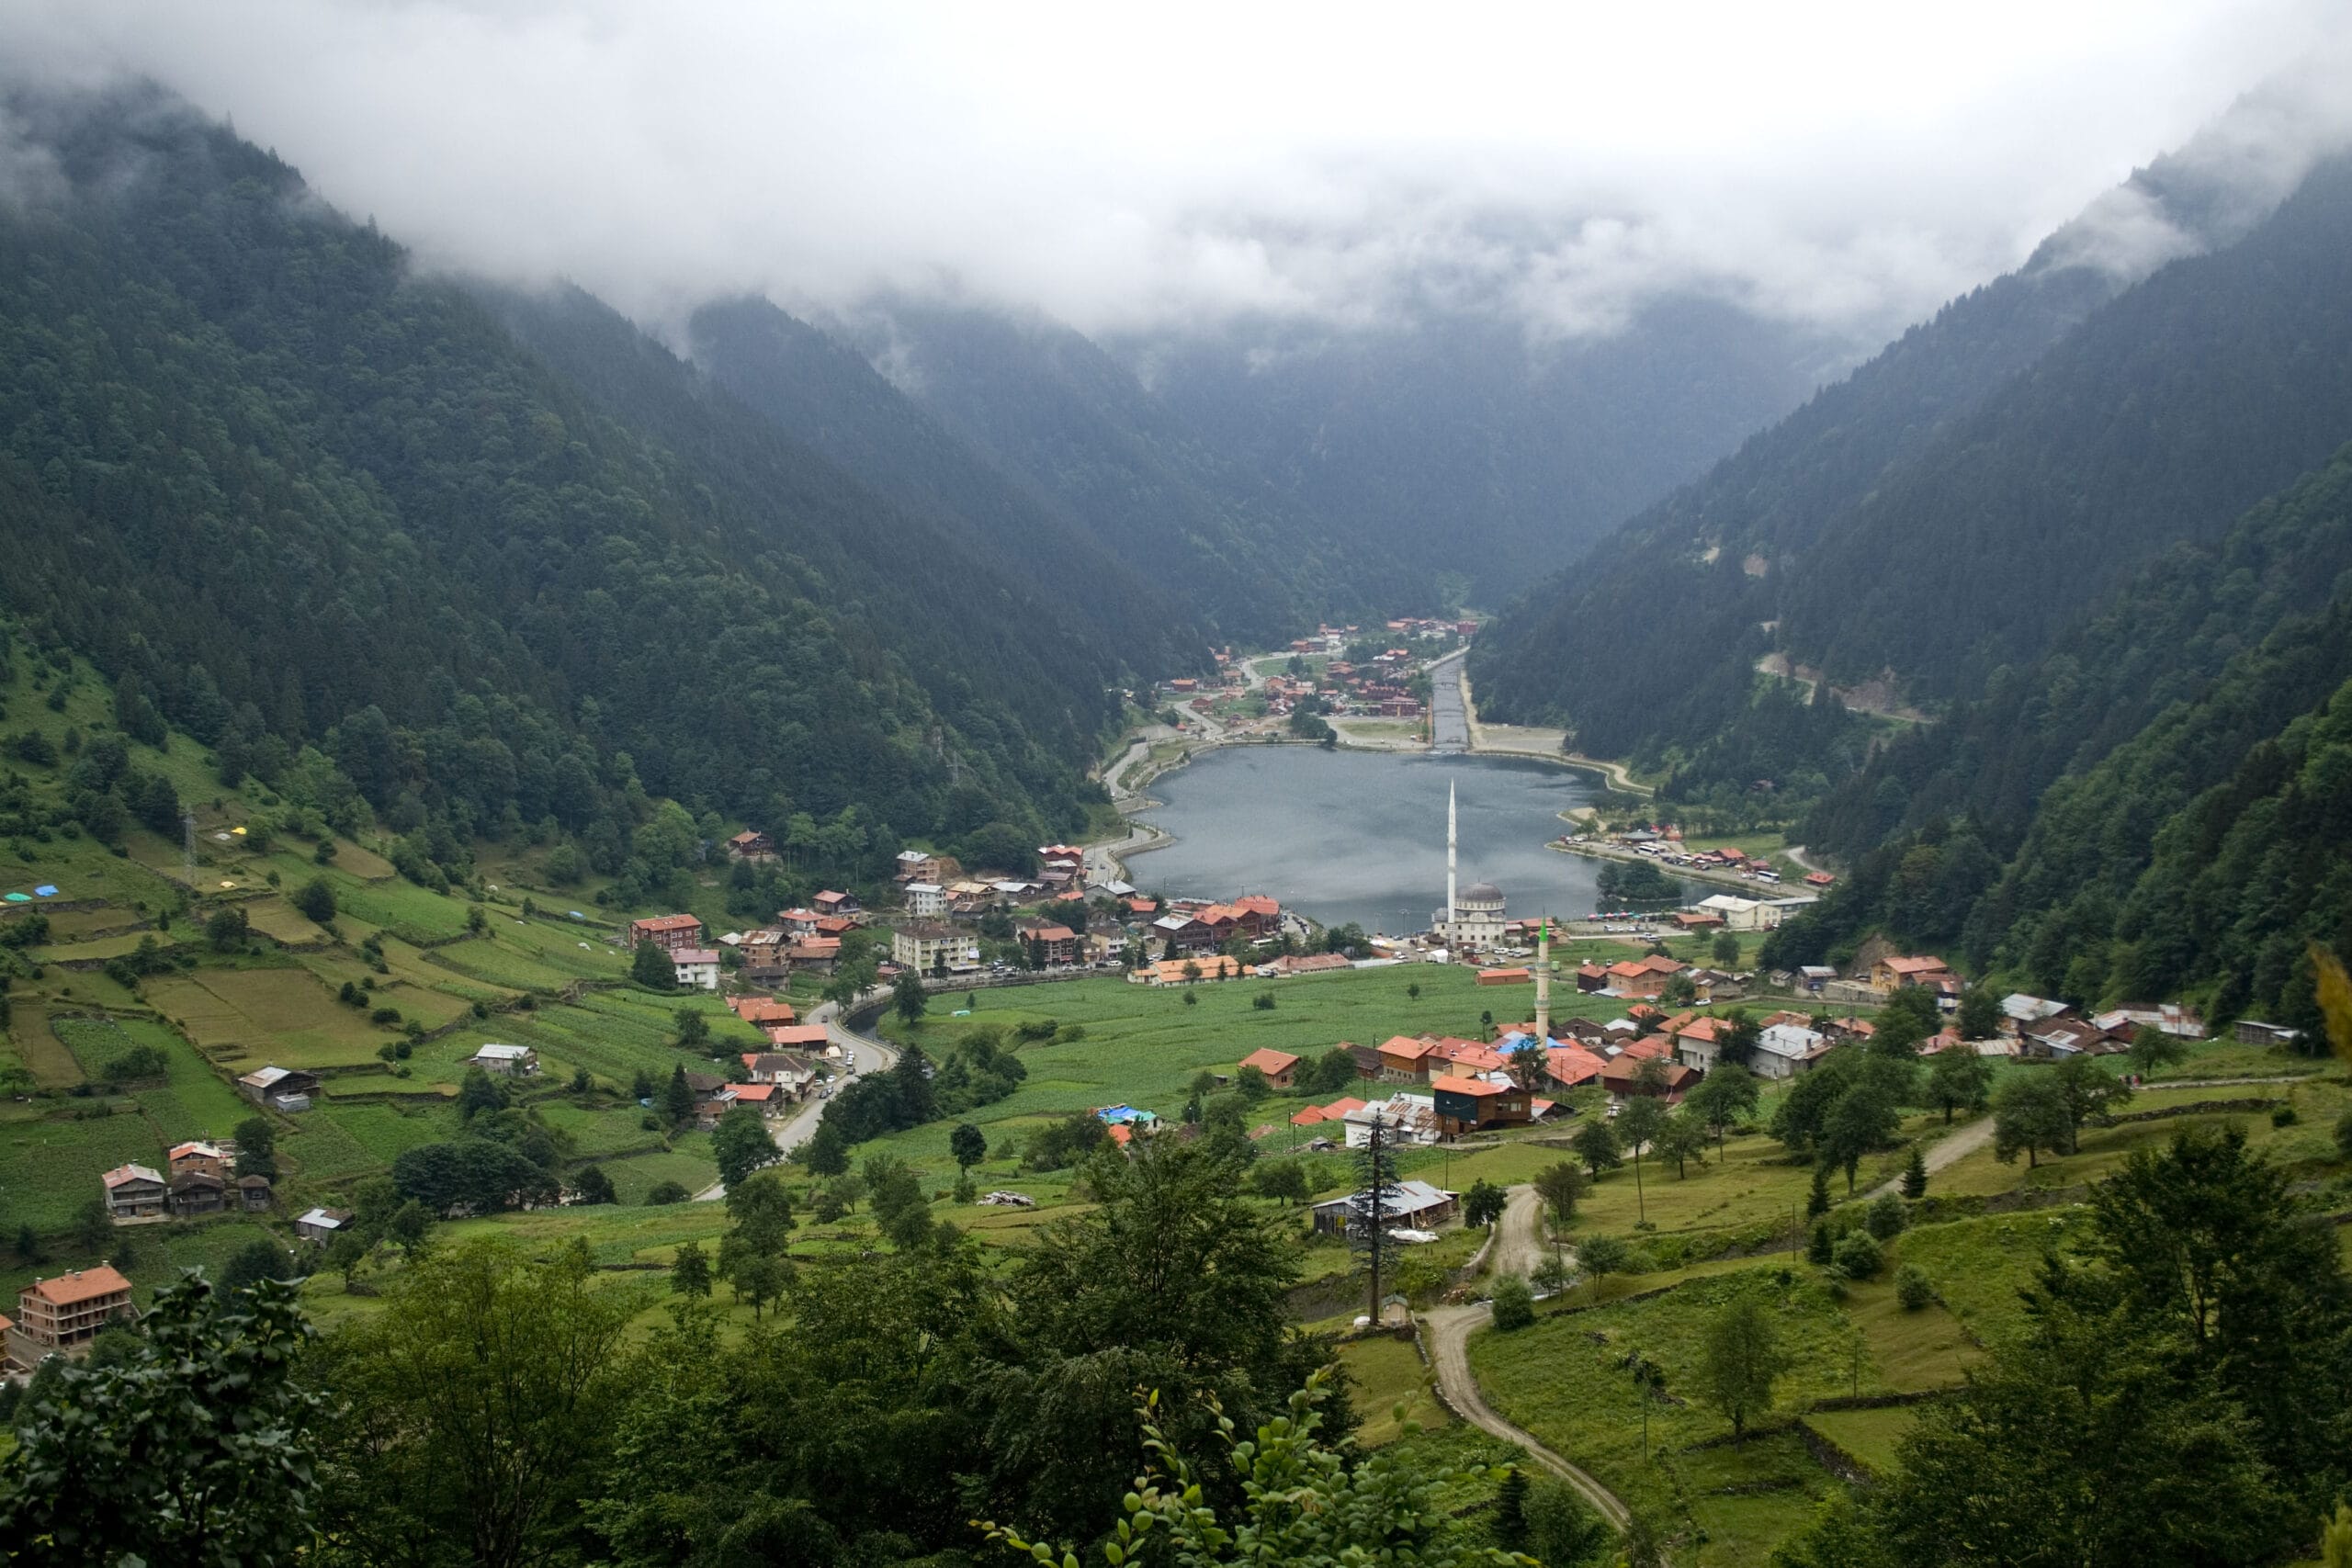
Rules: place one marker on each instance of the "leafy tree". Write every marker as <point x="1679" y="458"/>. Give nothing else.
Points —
<point x="1250" y="1084"/>
<point x="740" y="1145"/>
<point x="1743" y="1359"/>
<point x="690" y="1271"/>
<point x="666" y="1192"/>
<point x="1912" y="1286"/>
<point x="908" y="998"/>
<point x="1301" y="1503"/>
<point x="2031" y="1116"/>
<point x="1284" y="1180"/>
<point x="827" y="1152"/>
<point x="592" y="1185"/>
<point x="1596" y="1145"/>
<point x="1513" y="1302"/>
<point x="501" y="1457"/>
<point x="256" y="1260"/>
<point x="2153" y="1050"/>
<point x="650" y="966"/>
<point x="1559" y="1185"/>
<point x="1725" y="950"/>
<point x="1862" y="1119"/>
<point x="1562" y="1530"/>
<point x="407" y="1226"/>
<point x="1959" y="1080"/>
<point x="678" y="1097"/>
<point x="1601" y="1256"/>
<point x="1639" y="1126"/>
<point x="1726" y="1097"/>
<point x="479" y="1092"/>
<point x="968" y="1143"/>
<point x="227" y="929"/>
<point x="1682" y="1138"/>
<point x="1856" y="1255"/>
<point x="199" y="1447"/>
<point x="1483" y="1203"/>
<point x="1886" y="1217"/>
<point x="693" y="1029"/>
<point x="1979" y="1016"/>
<point x="316" y="898"/>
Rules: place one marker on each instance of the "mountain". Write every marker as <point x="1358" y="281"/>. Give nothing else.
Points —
<point x="1468" y="446"/>
<point x="2178" y="756"/>
<point x="494" y="563"/>
<point x="1049" y="407"/>
<point x="1954" y="506"/>
<point x="826" y="394"/>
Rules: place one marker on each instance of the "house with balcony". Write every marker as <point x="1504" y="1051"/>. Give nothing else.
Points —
<point x="59" y="1316"/>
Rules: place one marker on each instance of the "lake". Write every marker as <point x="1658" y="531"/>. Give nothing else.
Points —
<point x="1359" y="836"/>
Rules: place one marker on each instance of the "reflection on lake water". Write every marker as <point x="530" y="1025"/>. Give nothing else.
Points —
<point x="1359" y="836"/>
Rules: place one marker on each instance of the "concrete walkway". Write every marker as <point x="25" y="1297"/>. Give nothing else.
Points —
<point x="1445" y="1334"/>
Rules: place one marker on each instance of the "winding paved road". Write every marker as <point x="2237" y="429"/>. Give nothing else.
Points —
<point x="1445" y="1334"/>
<point x="860" y="1054"/>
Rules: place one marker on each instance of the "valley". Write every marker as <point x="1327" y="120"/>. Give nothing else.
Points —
<point x="750" y="921"/>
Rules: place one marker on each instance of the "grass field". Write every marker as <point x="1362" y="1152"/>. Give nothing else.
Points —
<point x="1565" y="1380"/>
<point x="1869" y="1435"/>
<point x="1392" y="1386"/>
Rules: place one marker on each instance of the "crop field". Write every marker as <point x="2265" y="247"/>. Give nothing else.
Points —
<point x="42" y="1052"/>
<point x="515" y="967"/>
<point x="194" y="1101"/>
<point x="283" y="1015"/>
<point x="401" y="906"/>
<point x="280" y="921"/>
<point x="1869" y="1435"/>
<point x="636" y="1175"/>
<point x="387" y="1131"/>
<point x="50" y="1168"/>
<point x="599" y="1134"/>
<point x="98" y="949"/>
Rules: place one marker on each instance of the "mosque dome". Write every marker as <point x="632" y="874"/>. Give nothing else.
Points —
<point x="1483" y="893"/>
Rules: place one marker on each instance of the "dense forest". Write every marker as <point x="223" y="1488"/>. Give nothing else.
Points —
<point x="304" y="504"/>
<point x="1956" y="507"/>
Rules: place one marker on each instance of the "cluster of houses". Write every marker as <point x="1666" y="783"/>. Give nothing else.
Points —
<point x="196" y="1178"/>
<point x="59" y="1316"/>
<point x="1662" y="841"/>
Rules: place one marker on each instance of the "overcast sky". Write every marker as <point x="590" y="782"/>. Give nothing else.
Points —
<point x="1140" y="167"/>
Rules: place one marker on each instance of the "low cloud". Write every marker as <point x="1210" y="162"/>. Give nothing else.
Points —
<point x="1127" y="170"/>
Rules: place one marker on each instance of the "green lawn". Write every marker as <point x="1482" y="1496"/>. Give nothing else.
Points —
<point x="1869" y="1435"/>
<point x="1385" y="1374"/>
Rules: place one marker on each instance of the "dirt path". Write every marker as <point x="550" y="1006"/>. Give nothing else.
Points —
<point x="1946" y="1152"/>
<point x="1445" y="1334"/>
<point x="1798" y="858"/>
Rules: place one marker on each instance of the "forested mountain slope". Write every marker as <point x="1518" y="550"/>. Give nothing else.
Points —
<point x="1475" y="446"/>
<point x="830" y="397"/>
<point x="268" y="478"/>
<point x="1955" y="504"/>
<point x="1050" y="408"/>
<point x="2154" y="808"/>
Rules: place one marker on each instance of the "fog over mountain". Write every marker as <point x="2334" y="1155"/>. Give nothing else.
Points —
<point x="1844" y="167"/>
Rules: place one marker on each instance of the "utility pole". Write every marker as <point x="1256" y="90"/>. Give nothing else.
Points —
<point x="1371" y="1208"/>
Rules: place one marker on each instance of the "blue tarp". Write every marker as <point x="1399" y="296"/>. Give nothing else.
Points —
<point x="46" y="892"/>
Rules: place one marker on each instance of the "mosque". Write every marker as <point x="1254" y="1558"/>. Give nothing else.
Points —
<point x="1474" y="916"/>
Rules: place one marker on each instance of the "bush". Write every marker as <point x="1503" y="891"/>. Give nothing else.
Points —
<point x="1857" y="1255"/>
<point x="385" y="1015"/>
<point x="1514" y="1302"/>
<point x="1886" y="1217"/>
<point x="1263" y="1001"/>
<point x="1817" y="1246"/>
<point x="667" y="1193"/>
<point x="316" y="898"/>
<point x="2282" y="1116"/>
<point x="1911" y="1287"/>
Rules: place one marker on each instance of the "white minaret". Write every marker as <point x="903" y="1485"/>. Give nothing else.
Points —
<point x="1543" y="981"/>
<point x="1451" y="846"/>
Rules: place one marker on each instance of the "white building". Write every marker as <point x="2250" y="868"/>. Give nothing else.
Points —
<point x="926" y="900"/>
<point x="1784" y="1050"/>
<point x="696" y="967"/>
<point x="511" y="1060"/>
<point x="1742" y="914"/>
<point x="925" y="946"/>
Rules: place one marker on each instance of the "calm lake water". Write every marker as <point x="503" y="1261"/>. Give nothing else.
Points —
<point x="1361" y="836"/>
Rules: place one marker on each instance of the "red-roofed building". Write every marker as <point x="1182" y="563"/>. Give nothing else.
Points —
<point x="1697" y="1042"/>
<point x="671" y="933"/>
<point x="1818" y="879"/>
<point x="1049" y="944"/>
<point x="61" y="1316"/>
<point x="1569" y="1065"/>
<point x="1643" y="976"/>
<point x="832" y="903"/>
<point x="1622" y="1078"/>
<point x="1404" y="1060"/>
<point x="1515" y="977"/>
<point x="759" y="1011"/>
<point x="1468" y="1057"/>
<point x="1889" y="975"/>
<point x="1278" y="1065"/>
